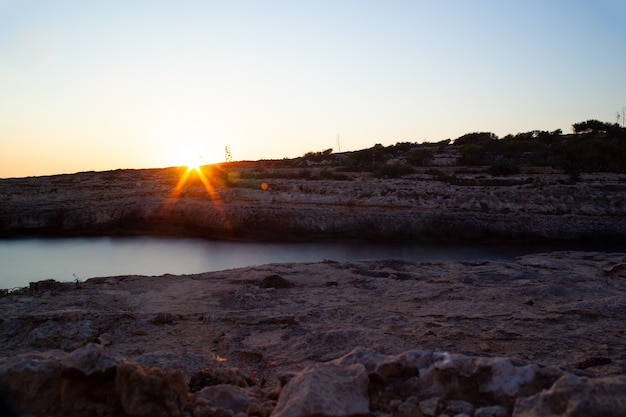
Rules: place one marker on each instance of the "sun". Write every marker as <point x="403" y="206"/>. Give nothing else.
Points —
<point x="189" y="146"/>
<point x="191" y="154"/>
<point x="191" y="151"/>
<point x="188" y="157"/>
<point x="193" y="166"/>
<point x="194" y="170"/>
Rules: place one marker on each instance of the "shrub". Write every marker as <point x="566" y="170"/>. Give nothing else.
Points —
<point x="393" y="170"/>
<point x="475" y="138"/>
<point x="318" y="156"/>
<point x="419" y="156"/>
<point x="503" y="167"/>
<point x="471" y="155"/>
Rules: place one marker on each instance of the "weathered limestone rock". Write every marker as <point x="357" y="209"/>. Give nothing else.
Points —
<point x="54" y="382"/>
<point x="573" y="396"/>
<point x="560" y="308"/>
<point x="492" y="411"/>
<point x="454" y="407"/>
<point x="430" y="406"/>
<point x="218" y="376"/>
<point x="90" y="360"/>
<point x="150" y="392"/>
<point x="225" y="397"/>
<point x="327" y="390"/>
<point x="431" y="376"/>
<point x="188" y="363"/>
<point x="92" y="382"/>
<point x="50" y="335"/>
<point x="32" y="380"/>
<point x="216" y="343"/>
<point x="140" y="201"/>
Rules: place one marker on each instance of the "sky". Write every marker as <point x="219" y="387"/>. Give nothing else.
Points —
<point x="101" y="85"/>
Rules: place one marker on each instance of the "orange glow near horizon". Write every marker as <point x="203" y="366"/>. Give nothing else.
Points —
<point x="203" y="178"/>
<point x="206" y="183"/>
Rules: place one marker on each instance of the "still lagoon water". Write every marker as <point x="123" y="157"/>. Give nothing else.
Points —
<point x="67" y="259"/>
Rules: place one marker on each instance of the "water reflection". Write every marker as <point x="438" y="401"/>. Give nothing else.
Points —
<point x="27" y="260"/>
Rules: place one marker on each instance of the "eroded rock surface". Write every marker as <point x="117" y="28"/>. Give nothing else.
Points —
<point x="361" y="383"/>
<point x="154" y="201"/>
<point x="438" y="338"/>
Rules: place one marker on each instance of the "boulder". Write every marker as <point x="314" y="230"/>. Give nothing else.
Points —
<point x="225" y="397"/>
<point x="58" y="383"/>
<point x="574" y="396"/>
<point x="150" y="392"/>
<point x="430" y="375"/>
<point x="90" y="381"/>
<point x="325" y="390"/>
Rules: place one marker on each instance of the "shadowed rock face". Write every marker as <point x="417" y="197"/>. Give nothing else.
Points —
<point x="153" y="202"/>
<point x="92" y="382"/>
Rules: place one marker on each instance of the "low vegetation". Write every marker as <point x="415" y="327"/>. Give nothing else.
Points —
<point x="594" y="146"/>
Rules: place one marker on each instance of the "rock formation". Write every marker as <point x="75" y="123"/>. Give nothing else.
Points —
<point x="539" y="336"/>
<point x="529" y="206"/>
<point x="92" y="382"/>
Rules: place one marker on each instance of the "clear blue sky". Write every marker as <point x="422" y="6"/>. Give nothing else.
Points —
<point x="97" y="85"/>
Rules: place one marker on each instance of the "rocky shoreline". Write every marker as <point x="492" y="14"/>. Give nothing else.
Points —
<point x="539" y="336"/>
<point x="536" y="205"/>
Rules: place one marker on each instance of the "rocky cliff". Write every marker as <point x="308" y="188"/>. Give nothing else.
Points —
<point x="224" y="204"/>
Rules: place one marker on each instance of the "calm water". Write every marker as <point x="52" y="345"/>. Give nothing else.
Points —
<point x="28" y="260"/>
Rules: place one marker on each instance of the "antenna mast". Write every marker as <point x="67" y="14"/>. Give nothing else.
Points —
<point x="228" y="157"/>
<point x="338" y="143"/>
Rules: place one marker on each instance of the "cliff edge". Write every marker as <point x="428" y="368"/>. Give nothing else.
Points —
<point x="224" y="202"/>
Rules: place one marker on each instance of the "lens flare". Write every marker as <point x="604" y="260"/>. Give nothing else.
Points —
<point x="199" y="172"/>
<point x="195" y="170"/>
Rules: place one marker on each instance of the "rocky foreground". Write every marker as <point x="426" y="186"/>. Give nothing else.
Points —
<point x="543" y="335"/>
<point x="449" y="202"/>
